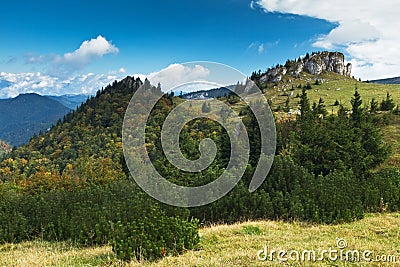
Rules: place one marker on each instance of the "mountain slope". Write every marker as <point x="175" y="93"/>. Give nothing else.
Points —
<point x="92" y="130"/>
<point x="27" y="114"/>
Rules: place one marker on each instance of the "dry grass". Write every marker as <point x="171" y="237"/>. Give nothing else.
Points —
<point x="38" y="253"/>
<point x="232" y="245"/>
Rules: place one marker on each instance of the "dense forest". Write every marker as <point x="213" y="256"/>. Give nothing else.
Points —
<point x="72" y="183"/>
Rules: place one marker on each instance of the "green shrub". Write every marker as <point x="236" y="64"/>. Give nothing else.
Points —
<point x="153" y="237"/>
<point x="119" y="213"/>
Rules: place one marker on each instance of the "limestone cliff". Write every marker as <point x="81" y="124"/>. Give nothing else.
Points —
<point x="314" y="64"/>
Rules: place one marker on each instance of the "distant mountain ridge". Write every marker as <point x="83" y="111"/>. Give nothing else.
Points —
<point x="395" y="80"/>
<point x="211" y="93"/>
<point x="70" y="101"/>
<point x="28" y="114"/>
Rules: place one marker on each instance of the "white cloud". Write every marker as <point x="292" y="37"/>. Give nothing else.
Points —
<point x="261" y="48"/>
<point x="86" y="53"/>
<point x="36" y="82"/>
<point x="366" y="30"/>
<point x="64" y="74"/>
<point x="89" y="49"/>
<point x="177" y="74"/>
<point x="174" y="75"/>
<point x="251" y="45"/>
<point x="89" y="83"/>
<point x="253" y="5"/>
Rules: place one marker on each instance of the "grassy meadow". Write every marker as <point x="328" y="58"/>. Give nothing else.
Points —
<point x="234" y="245"/>
<point x="332" y="87"/>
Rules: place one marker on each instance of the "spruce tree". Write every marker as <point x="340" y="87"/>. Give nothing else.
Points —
<point x="374" y="106"/>
<point x="357" y="110"/>
<point x="304" y="104"/>
<point x="321" y="108"/>
<point x="387" y="104"/>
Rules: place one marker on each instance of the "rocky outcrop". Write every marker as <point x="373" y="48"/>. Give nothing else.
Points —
<point x="314" y="64"/>
<point x="131" y="82"/>
<point x="274" y="75"/>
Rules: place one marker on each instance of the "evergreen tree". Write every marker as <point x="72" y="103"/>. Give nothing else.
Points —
<point x="320" y="108"/>
<point x="205" y="108"/>
<point x="287" y="102"/>
<point x="387" y="104"/>
<point x="304" y="104"/>
<point x="374" y="106"/>
<point x="357" y="110"/>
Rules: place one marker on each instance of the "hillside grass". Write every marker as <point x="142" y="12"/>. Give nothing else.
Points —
<point x="232" y="245"/>
<point x="391" y="135"/>
<point x="332" y="87"/>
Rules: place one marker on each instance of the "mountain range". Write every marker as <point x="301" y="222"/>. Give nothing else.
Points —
<point x="211" y="93"/>
<point x="395" y="80"/>
<point x="28" y="114"/>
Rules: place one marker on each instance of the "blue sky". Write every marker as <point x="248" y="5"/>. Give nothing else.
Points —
<point x="59" y="47"/>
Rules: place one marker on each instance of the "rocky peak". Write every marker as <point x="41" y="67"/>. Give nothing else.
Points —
<point x="314" y="64"/>
<point x="326" y="61"/>
<point x="131" y="82"/>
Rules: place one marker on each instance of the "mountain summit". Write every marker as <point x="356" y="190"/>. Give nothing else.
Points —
<point x="25" y="115"/>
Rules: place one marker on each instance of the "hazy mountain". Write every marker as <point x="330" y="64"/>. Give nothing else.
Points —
<point x="27" y="114"/>
<point x="212" y="93"/>
<point x="395" y="80"/>
<point x="70" y="101"/>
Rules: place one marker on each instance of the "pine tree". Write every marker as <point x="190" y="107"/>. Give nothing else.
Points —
<point x="374" y="106"/>
<point x="357" y="110"/>
<point x="205" y="108"/>
<point x="387" y="104"/>
<point x="321" y="108"/>
<point x="304" y="104"/>
<point x="287" y="102"/>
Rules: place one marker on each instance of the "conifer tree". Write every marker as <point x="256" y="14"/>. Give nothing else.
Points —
<point x="357" y="110"/>
<point x="374" y="106"/>
<point x="304" y="104"/>
<point x="387" y="104"/>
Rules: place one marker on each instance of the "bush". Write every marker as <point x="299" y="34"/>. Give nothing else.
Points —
<point x="13" y="224"/>
<point x="98" y="215"/>
<point x="153" y="236"/>
<point x="382" y="191"/>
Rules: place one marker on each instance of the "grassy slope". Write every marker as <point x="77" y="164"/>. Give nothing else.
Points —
<point x="234" y="245"/>
<point x="327" y="90"/>
<point x="392" y="136"/>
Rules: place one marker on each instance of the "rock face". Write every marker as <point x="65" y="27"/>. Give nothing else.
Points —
<point x="315" y="64"/>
